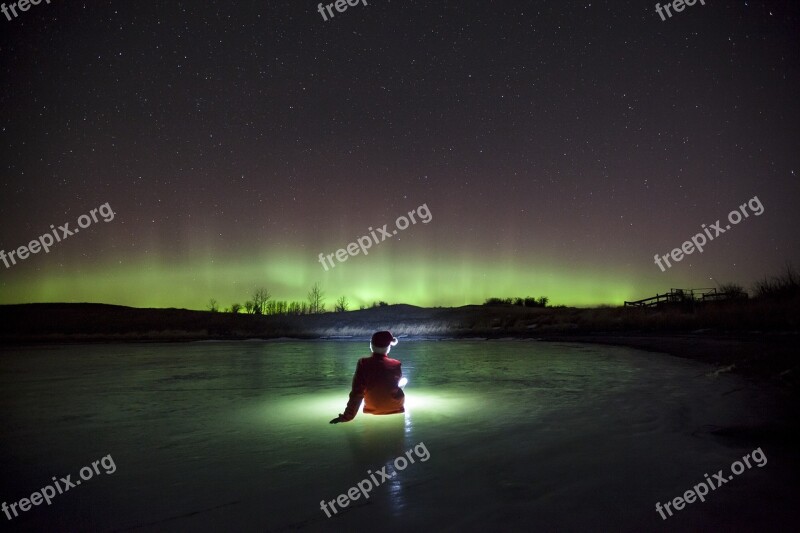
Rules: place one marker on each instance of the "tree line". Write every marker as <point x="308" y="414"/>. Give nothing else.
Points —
<point x="528" y="301"/>
<point x="261" y="302"/>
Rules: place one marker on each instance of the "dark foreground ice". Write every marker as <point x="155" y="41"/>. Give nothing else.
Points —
<point x="516" y="436"/>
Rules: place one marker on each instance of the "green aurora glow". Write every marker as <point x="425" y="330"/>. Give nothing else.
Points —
<point x="414" y="280"/>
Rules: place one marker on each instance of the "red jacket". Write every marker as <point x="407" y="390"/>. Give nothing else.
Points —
<point x="375" y="381"/>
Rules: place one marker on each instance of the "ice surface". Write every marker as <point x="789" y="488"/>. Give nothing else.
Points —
<point x="522" y="435"/>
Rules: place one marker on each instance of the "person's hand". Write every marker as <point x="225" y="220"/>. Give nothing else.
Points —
<point x="338" y="419"/>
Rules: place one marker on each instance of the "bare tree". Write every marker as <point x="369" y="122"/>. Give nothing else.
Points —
<point x="213" y="306"/>
<point x="260" y="299"/>
<point x="732" y="290"/>
<point x="249" y="307"/>
<point x="235" y="308"/>
<point x="316" y="300"/>
<point x="341" y="305"/>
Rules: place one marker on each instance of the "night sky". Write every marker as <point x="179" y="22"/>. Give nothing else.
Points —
<point x="558" y="146"/>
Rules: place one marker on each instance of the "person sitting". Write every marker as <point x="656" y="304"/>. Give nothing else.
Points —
<point x="376" y="381"/>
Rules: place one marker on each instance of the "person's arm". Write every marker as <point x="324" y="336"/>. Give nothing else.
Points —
<point x="398" y="373"/>
<point x="356" y="397"/>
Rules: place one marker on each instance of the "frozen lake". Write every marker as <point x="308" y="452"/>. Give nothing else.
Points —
<point x="234" y="436"/>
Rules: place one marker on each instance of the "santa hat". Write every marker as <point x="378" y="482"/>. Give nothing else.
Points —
<point x="381" y="341"/>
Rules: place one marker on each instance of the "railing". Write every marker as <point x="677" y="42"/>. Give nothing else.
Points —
<point x="675" y="296"/>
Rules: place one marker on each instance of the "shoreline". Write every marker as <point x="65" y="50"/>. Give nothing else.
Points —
<point x="755" y="339"/>
<point x="766" y="358"/>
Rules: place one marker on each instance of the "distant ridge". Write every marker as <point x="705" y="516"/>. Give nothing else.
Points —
<point x="60" y="322"/>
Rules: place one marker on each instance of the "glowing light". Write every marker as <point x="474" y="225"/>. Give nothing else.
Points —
<point x="319" y="408"/>
<point x="402" y="383"/>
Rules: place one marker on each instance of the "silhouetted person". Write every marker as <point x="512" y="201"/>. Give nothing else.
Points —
<point x="376" y="382"/>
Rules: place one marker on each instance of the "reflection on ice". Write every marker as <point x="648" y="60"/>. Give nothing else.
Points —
<point x="313" y="408"/>
<point x="235" y="436"/>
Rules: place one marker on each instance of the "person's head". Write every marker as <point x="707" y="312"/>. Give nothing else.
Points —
<point x="382" y="342"/>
